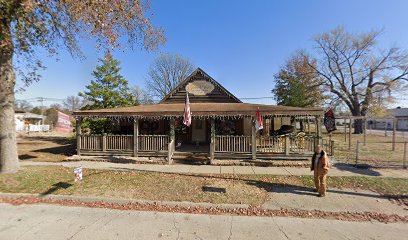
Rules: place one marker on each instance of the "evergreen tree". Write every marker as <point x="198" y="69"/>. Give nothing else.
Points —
<point x="109" y="89"/>
<point x="296" y="84"/>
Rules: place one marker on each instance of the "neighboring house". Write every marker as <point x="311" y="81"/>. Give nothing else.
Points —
<point x="30" y="122"/>
<point x="222" y="126"/>
<point x="401" y="115"/>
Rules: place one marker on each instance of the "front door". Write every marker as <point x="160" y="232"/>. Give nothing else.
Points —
<point x="199" y="131"/>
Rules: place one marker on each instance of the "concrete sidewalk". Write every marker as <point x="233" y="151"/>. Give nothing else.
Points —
<point x="337" y="170"/>
<point x="58" y="222"/>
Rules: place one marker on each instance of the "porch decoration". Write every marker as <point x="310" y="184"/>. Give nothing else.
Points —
<point x="187" y="113"/>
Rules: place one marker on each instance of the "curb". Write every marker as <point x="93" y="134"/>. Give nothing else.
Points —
<point x="125" y="201"/>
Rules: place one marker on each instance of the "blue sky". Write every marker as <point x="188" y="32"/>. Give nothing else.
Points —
<point x="239" y="43"/>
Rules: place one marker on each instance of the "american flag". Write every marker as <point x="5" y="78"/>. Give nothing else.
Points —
<point x="258" y="121"/>
<point x="187" y="113"/>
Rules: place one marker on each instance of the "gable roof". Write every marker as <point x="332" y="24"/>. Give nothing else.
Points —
<point x="181" y="87"/>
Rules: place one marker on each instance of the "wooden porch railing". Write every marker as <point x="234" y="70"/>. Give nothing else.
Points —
<point x="106" y="142"/>
<point x="227" y="143"/>
<point x="119" y="142"/>
<point x="153" y="143"/>
<point x="305" y="144"/>
<point x="267" y="144"/>
<point x="91" y="142"/>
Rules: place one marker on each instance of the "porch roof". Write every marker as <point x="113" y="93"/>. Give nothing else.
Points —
<point x="200" y="110"/>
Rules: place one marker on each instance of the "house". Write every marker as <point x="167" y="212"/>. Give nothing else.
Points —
<point x="222" y="126"/>
<point x="30" y="122"/>
<point x="401" y="118"/>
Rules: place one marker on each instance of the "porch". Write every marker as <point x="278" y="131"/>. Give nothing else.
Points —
<point x="291" y="146"/>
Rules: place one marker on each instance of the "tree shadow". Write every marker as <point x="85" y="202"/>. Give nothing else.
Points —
<point x="66" y="150"/>
<point x="54" y="139"/>
<point x="360" y="169"/>
<point x="55" y="187"/>
<point x="26" y="157"/>
<point x="68" y="184"/>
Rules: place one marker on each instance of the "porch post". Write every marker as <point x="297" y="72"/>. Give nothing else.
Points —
<point x="78" y="135"/>
<point x="319" y="131"/>
<point x="287" y="145"/>
<point x="253" y="140"/>
<point x="172" y="129"/>
<point x="172" y="139"/>
<point x="136" y="138"/>
<point x="294" y="126"/>
<point x="212" y="142"/>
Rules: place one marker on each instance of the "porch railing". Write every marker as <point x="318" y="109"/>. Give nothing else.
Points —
<point x="119" y="142"/>
<point x="305" y="144"/>
<point x="267" y="144"/>
<point x="91" y="142"/>
<point x="153" y="143"/>
<point x="227" y="143"/>
<point x="107" y="142"/>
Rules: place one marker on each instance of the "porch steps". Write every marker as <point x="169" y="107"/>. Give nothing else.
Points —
<point x="191" y="157"/>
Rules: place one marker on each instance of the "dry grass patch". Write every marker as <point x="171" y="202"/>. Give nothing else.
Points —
<point x="240" y="189"/>
<point x="45" y="147"/>
<point x="132" y="185"/>
<point x="375" y="154"/>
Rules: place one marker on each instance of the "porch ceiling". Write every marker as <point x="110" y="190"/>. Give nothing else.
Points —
<point x="201" y="110"/>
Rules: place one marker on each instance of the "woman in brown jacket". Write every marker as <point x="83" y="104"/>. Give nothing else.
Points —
<point x="320" y="165"/>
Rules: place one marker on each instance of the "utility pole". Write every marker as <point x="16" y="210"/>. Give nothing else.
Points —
<point x="41" y="100"/>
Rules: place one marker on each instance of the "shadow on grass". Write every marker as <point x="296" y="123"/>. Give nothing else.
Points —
<point x="68" y="184"/>
<point x="53" y="139"/>
<point x="360" y="169"/>
<point x="26" y="157"/>
<point x="55" y="187"/>
<point x="66" y="150"/>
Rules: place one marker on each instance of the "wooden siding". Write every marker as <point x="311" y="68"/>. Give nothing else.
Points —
<point x="218" y="95"/>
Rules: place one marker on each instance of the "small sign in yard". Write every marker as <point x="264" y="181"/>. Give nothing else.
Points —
<point x="78" y="174"/>
<point x="214" y="189"/>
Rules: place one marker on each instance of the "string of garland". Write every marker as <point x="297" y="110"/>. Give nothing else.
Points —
<point x="200" y="117"/>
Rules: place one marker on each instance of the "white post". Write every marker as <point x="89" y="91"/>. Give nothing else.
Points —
<point x="78" y="135"/>
<point x="253" y="140"/>
<point x="136" y="138"/>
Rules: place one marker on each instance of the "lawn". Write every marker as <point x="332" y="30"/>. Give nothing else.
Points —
<point x="46" y="147"/>
<point x="374" y="154"/>
<point x="245" y="189"/>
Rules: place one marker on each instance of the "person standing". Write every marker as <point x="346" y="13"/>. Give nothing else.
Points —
<point x="320" y="165"/>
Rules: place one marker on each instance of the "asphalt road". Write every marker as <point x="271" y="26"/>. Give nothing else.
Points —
<point x="58" y="222"/>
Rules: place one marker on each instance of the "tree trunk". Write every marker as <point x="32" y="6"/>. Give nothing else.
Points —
<point x="8" y="146"/>
<point x="358" y="126"/>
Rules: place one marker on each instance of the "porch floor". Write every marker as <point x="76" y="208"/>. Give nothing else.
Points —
<point x="192" y="148"/>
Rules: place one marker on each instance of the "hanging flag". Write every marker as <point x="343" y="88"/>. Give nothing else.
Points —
<point x="330" y="121"/>
<point x="187" y="113"/>
<point x="258" y="121"/>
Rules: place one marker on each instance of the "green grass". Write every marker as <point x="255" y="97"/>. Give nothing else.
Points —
<point x="245" y="189"/>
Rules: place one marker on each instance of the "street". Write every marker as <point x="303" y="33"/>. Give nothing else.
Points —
<point x="58" y="222"/>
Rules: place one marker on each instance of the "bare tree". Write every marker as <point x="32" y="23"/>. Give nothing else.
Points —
<point x="73" y="103"/>
<point x="166" y="72"/>
<point x="141" y="95"/>
<point x="354" y="69"/>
